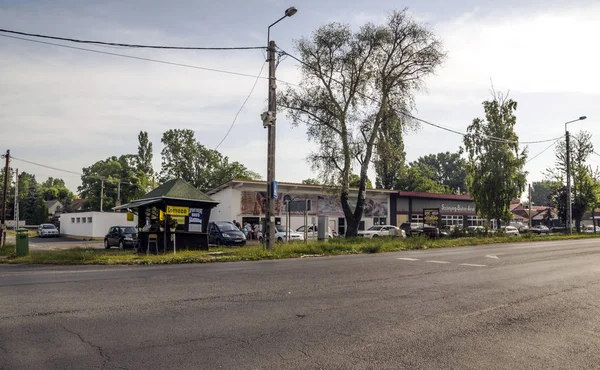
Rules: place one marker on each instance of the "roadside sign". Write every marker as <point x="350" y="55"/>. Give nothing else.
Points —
<point x="431" y="216"/>
<point x="275" y="195"/>
<point x="195" y="220"/>
<point x="178" y="211"/>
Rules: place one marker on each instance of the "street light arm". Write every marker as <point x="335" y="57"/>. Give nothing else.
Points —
<point x="269" y="29"/>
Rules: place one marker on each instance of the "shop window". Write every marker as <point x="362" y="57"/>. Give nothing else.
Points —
<point x="379" y="220"/>
<point x="417" y="218"/>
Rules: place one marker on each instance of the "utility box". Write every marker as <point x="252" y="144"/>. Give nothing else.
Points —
<point x="22" y="242"/>
<point x="323" y="228"/>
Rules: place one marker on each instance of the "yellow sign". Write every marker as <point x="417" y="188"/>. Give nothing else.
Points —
<point x="129" y="216"/>
<point x="161" y="215"/>
<point x="178" y="211"/>
<point x="180" y="219"/>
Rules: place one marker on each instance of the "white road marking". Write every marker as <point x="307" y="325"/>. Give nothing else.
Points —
<point x="407" y="259"/>
<point x="491" y="256"/>
<point x="472" y="264"/>
<point x="437" y="261"/>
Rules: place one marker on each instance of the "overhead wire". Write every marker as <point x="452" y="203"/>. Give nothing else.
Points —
<point x="135" y="57"/>
<point x="243" y="105"/>
<point x="491" y="138"/>
<point x="543" y="151"/>
<point x="139" y="46"/>
<point x="71" y="172"/>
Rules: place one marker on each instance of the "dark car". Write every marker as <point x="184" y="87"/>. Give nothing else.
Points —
<point x="225" y="233"/>
<point x="411" y="228"/>
<point x="122" y="237"/>
<point x="429" y="231"/>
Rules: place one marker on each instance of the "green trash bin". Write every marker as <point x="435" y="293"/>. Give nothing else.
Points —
<point x="22" y="242"/>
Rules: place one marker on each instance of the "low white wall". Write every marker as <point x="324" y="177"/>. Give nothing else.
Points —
<point x="92" y="224"/>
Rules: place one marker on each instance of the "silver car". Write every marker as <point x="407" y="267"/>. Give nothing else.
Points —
<point x="47" y="230"/>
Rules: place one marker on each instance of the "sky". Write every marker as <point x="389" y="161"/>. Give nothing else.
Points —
<point x="68" y="108"/>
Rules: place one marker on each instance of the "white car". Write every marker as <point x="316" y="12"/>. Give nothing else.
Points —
<point x="589" y="229"/>
<point x="510" y="230"/>
<point x="313" y="232"/>
<point x="281" y="235"/>
<point x="382" y="230"/>
<point x="47" y="230"/>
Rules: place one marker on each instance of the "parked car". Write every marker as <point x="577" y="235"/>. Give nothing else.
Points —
<point x="520" y="226"/>
<point x="510" y="230"/>
<point x="411" y="228"/>
<point x="48" y="230"/>
<point x="540" y="229"/>
<point x="313" y="232"/>
<point x="281" y="234"/>
<point x="589" y="229"/>
<point x="472" y="230"/>
<point x="429" y="231"/>
<point x="225" y="233"/>
<point x="121" y="236"/>
<point x="382" y="230"/>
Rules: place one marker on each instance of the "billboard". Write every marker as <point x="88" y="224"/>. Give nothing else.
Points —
<point x="431" y="216"/>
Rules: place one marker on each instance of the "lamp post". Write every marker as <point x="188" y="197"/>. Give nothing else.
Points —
<point x="269" y="119"/>
<point x="568" y="158"/>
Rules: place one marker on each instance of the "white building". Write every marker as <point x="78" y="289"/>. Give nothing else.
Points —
<point x="245" y="201"/>
<point x="92" y="224"/>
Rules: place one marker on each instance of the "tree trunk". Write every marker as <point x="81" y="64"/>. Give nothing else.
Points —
<point x="351" y="223"/>
<point x="578" y="224"/>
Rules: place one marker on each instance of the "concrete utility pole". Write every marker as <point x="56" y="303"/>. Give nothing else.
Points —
<point x="102" y="196"/>
<point x="118" y="202"/>
<point x="3" y="226"/>
<point x="269" y="119"/>
<point x="568" y="158"/>
<point x="17" y="199"/>
<point x="530" y="206"/>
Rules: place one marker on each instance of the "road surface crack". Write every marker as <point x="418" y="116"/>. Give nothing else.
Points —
<point x="105" y="356"/>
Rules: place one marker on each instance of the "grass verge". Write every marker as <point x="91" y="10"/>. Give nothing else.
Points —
<point x="84" y="256"/>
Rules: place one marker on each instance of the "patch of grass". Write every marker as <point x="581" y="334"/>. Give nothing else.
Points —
<point x="341" y="246"/>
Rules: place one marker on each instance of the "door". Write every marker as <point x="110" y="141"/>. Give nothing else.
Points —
<point x="213" y="233"/>
<point x="115" y="236"/>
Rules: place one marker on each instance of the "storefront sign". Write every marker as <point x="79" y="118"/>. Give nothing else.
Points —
<point x="431" y="216"/>
<point x="178" y="211"/>
<point x="195" y="220"/>
<point x="457" y="208"/>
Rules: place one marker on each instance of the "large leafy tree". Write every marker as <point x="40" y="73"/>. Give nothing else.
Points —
<point x="55" y="189"/>
<point x="115" y="173"/>
<point x="143" y="162"/>
<point x="183" y="157"/>
<point x="355" y="181"/>
<point x="495" y="165"/>
<point x="390" y="156"/>
<point x="353" y="84"/>
<point x="447" y="169"/>
<point x="540" y="192"/>
<point x="420" y="178"/>
<point x="585" y="180"/>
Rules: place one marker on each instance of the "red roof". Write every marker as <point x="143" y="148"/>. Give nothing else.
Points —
<point x="417" y="194"/>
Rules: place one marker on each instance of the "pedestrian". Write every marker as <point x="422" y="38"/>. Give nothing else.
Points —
<point x="238" y="225"/>
<point x="245" y="231"/>
<point x="249" y="228"/>
<point x="256" y="230"/>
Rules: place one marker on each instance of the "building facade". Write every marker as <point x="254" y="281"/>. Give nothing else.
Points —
<point x="244" y="201"/>
<point x="453" y="209"/>
<point x="92" y="224"/>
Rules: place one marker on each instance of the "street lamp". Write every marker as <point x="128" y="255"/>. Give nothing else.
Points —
<point x="568" y="148"/>
<point x="269" y="119"/>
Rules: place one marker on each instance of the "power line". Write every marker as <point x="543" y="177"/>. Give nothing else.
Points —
<point x="491" y="138"/>
<point x="543" y="151"/>
<point x="130" y="45"/>
<point x="134" y="57"/>
<point x="71" y="172"/>
<point x="243" y="104"/>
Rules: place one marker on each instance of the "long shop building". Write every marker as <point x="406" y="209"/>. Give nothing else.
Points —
<point x="245" y="201"/>
<point x="453" y="209"/>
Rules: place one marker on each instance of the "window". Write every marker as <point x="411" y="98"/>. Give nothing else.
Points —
<point x="78" y="219"/>
<point x="417" y="218"/>
<point x="89" y="220"/>
<point x="379" y="220"/>
<point x="72" y="220"/>
<point x="452" y="220"/>
<point x="475" y="221"/>
<point x="83" y="219"/>
<point x="361" y="226"/>
<point x="341" y="226"/>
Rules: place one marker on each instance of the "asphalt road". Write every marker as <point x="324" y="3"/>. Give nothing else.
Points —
<point x="521" y="306"/>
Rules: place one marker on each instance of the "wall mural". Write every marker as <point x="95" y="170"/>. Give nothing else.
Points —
<point x="255" y="203"/>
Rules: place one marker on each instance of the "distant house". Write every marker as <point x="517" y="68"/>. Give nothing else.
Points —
<point x="54" y="207"/>
<point x="78" y="205"/>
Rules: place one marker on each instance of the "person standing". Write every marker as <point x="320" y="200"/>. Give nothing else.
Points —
<point x="249" y="228"/>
